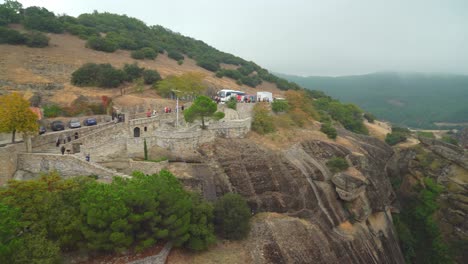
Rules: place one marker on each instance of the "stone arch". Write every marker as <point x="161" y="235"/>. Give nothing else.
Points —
<point x="136" y="132"/>
<point x="146" y="129"/>
<point x="76" y="136"/>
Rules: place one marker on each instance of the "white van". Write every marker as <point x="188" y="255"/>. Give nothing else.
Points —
<point x="264" y="97"/>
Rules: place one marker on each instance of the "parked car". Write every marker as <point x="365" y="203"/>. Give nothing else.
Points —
<point x="57" y="126"/>
<point x="42" y="130"/>
<point x="74" y="123"/>
<point x="90" y="121"/>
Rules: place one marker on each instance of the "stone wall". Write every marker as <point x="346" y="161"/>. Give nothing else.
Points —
<point x="50" y="138"/>
<point x="8" y="161"/>
<point x="67" y="165"/>
<point x="148" y="167"/>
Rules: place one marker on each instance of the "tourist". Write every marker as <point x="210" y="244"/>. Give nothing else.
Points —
<point x="154" y="112"/>
<point x="62" y="149"/>
<point x="148" y="113"/>
<point x="88" y="157"/>
<point x="68" y="138"/>
<point x="182" y="107"/>
<point x="76" y="135"/>
<point x="57" y="142"/>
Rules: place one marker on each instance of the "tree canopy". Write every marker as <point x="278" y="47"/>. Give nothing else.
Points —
<point x="186" y="85"/>
<point x="203" y="107"/>
<point x="16" y="116"/>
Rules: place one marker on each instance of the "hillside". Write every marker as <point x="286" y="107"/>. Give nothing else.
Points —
<point x="406" y="99"/>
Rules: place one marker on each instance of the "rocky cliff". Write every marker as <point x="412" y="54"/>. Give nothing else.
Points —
<point x="447" y="165"/>
<point x="319" y="216"/>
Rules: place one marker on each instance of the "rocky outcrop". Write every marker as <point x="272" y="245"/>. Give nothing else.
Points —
<point x="325" y="217"/>
<point x="447" y="151"/>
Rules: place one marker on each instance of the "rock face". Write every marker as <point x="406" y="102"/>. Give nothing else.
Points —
<point x="445" y="164"/>
<point x="325" y="218"/>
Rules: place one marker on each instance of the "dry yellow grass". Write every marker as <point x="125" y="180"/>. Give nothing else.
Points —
<point x="66" y="53"/>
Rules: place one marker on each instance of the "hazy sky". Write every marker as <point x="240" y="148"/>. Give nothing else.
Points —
<point x="309" y="37"/>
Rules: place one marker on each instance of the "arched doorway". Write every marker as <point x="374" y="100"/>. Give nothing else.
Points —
<point x="136" y="132"/>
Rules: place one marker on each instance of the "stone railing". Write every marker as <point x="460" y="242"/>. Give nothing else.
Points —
<point x="66" y="165"/>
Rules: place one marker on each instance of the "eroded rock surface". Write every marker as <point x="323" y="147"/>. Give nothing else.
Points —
<point x="323" y="218"/>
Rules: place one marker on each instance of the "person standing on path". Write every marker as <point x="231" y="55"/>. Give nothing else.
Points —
<point x="62" y="149"/>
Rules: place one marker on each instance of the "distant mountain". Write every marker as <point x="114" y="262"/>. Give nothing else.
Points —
<point x="409" y="99"/>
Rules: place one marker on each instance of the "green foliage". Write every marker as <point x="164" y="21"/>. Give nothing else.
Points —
<point x="218" y="115"/>
<point x="201" y="228"/>
<point x="10" y="36"/>
<point x="145" y="149"/>
<point x="208" y="63"/>
<point x="175" y="55"/>
<point x="329" y="130"/>
<point x="417" y="229"/>
<point x="151" y="76"/>
<point x="450" y="140"/>
<point x="337" y="164"/>
<point x="132" y="71"/>
<point x="232" y="215"/>
<point x="203" y="107"/>
<point x="411" y="99"/>
<point x="52" y="110"/>
<point x="369" y="117"/>
<point x="42" y="217"/>
<point x="101" y="75"/>
<point x="10" y="12"/>
<point x="188" y="84"/>
<point x="232" y="103"/>
<point x="394" y="138"/>
<point x="37" y="40"/>
<point x="41" y="19"/>
<point x="144" y="53"/>
<point x="425" y="134"/>
<point x="262" y="122"/>
<point x="280" y="106"/>
<point x="101" y="44"/>
<point x="349" y="115"/>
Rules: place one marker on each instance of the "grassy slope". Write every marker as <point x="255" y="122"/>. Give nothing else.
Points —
<point x="415" y="100"/>
<point x="66" y="53"/>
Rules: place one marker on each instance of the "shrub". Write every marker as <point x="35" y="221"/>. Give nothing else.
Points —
<point x="232" y="216"/>
<point x="262" y="120"/>
<point x="175" y="55"/>
<point x="279" y="106"/>
<point x="35" y="100"/>
<point x="425" y="134"/>
<point x="101" y="75"/>
<point x="329" y="130"/>
<point x="395" y="138"/>
<point x="337" y="164"/>
<point x="180" y="62"/>
<point x="450" y="140"/>
<point x="101" y="44"/>
<point x="41" y="19"/>
<point x="144" y="53"/>
<point x="10" y="36"/>
<point x="151" y="76"/>
<point x="132" y="71"/>
<point x="52" y="110"/>
<point x="37" y="40"/>
<point x="232" y="103"/>
<point x="369" y="117"/>
<point x="208" y="64"/>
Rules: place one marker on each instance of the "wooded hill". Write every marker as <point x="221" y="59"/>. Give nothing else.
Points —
<point x="406" y="99"/>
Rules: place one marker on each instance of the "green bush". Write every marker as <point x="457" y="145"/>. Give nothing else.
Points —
<point x="10" y="36"/>
<point x="369" y="117"/>
<point x="337" y="164"/>
<point x="450" y="140"/>
<point x="52" y="111"/>
<point x="101" y="75"/>
<point x="232" y="216"/>
<point x="101" y="44"/>
<point x="395" y="138"/>
<point x="329" y="130"/>
<point x="279" y="106"/>
<point x="151" y="76"/>
<point x="41" y="19"/>
<point x="425" y="134"/>
<point x="208" y="64"/>
<point x="10" y="12"/>
<point x="144" y="53"/>
<point x="37" y="40"/>
<point x="232" y="103"/>
<point x="175" y="55"/>
<point x="262" y="120"/>
<point x="132" y="71"/>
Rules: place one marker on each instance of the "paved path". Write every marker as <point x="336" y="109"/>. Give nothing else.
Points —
<point x="160" y="258"/>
